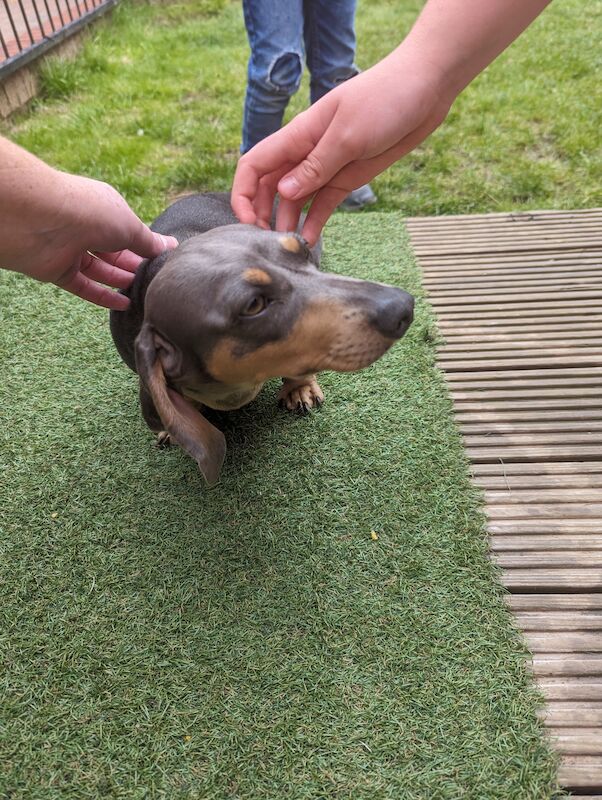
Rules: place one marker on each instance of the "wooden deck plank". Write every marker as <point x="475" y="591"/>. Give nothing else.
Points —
<point x="565" y="665"/>
<point x="544" y="350"/>
<point x="509" y="263"/>
<point x="488" y="375"/>
<point x="572" y="717"/>
<point x="579" y="664"/>
<point x="526" y="482"/>
<point x="564" y="542"/>
<point x="541" y="621"/>
<point x="529" y="298"/>
<point x="587" y="743"/>
<point x="561" y="642"/>
<point x="523" y="496"/>
<point x="492" y="340"/>
<point x="586" y="797"/>
<point x="569" y="452"/>
<point x="518" y="300"/>
<point x="518" y="426"/>
<point x="513" y="527"/>
<point x="553" y="602"/>
<point x="550" y="468"/>
<point x="579" y="774"/>
<point x="523" y="346"/>
<point x="515" y="282"/>
<point x="549" y="559"/>
<point x="543" y="415"/>
<point x="535" y="439"/>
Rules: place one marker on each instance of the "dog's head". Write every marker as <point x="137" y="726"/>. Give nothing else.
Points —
<point x="238" y="305"/>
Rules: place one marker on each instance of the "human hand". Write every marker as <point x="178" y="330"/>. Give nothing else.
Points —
<point x="81" y="235"/>
<point x="341" y="142"/>
<point x="360" y="128"/>
<point x="75" y="232"/>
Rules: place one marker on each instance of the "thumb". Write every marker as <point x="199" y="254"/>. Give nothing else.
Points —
<point x="327" y="158"/>
<point x="148" y="244"/>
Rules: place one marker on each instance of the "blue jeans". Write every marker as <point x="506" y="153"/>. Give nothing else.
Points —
<point x="282" y="35"/>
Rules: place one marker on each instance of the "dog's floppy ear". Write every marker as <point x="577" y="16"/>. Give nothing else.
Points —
<point x="182" y="421"/>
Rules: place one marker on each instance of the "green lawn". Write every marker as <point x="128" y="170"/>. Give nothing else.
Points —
<point x="253" y="641"/>
<point x="162" y="640"/>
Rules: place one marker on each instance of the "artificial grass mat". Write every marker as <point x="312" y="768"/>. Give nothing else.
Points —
<point x="160" y="639"/>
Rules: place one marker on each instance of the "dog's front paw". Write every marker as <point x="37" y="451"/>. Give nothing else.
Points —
<point x="163" y="440"/>
<point x="300" y="394"/>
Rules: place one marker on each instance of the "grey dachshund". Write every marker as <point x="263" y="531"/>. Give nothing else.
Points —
<point x="232" y="306"/>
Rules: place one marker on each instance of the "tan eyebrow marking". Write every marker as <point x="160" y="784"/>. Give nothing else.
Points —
<point x="256" y="275"/>
<point x="290" y="243"/>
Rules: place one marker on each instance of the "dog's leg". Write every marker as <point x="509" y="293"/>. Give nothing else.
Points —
<point x="152" y="418"/>
<point x="300" y="394"/>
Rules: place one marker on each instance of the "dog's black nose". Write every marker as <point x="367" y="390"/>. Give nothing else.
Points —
<point x="394" y="313"/>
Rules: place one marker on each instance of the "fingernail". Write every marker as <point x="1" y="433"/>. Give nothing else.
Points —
<point x="289" y="187"/>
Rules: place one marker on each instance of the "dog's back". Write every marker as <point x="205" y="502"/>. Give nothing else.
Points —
<point x="187" y="217"/>
<point x="195" y="214"/>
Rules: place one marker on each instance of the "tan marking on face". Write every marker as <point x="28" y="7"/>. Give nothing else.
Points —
<point x="290" y="243"/>
<point x="326" y="336"/>
<point x="256" y="275"/>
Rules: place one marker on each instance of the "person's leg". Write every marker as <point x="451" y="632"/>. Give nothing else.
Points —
<point x="275" y="32"/>
<point x="329" y="34"/>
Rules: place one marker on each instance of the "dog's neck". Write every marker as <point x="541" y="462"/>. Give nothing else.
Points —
<point x="222" y="397"/>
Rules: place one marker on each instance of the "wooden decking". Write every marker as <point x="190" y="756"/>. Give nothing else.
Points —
<point x="519" y="302"/>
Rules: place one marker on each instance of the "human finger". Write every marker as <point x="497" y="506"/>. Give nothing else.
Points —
<point x="124" y="259"/>
<point x="88" y="289"/>
<point x="323" y="204"/>
<point x="288" y="214"/>
<point x="329" y="156"/>
<point x="264" y="202"/>
<point x="149" y="244"/>
<point x="275" y="154"/>
<point x="99" y="270"/>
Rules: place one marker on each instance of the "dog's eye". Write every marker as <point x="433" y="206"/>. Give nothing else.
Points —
<point x="255" y="307"/>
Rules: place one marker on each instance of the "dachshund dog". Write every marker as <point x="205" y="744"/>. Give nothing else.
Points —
<point x="232" y="306"/>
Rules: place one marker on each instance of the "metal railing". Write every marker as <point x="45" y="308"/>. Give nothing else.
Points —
<point x="28" y="28"/>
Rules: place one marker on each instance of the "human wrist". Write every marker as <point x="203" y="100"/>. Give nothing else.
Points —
<point x="435" y="82"/>
<point x="415" y="87"/>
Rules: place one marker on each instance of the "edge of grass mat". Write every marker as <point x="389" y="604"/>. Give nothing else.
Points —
<point x="159" y="639"/>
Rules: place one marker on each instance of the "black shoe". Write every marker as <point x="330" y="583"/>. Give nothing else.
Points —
<point x="358" y="199"/>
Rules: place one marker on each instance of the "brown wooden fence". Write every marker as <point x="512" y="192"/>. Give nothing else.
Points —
<point x="28" y="28"/>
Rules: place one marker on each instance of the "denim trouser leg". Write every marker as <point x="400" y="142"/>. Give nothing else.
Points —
<point x="281" y="33"/>
<point x="329" y="43"/>
<point x="275" y="31"/>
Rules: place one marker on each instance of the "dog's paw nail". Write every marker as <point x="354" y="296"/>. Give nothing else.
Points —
<point x="318" y="402"/>
<point x="163" y="439"/>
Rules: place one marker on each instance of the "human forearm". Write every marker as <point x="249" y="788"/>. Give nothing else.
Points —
<point x="37" y="202"/>
<point x="454" y="40"/>
<point x="51" y="220"/>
